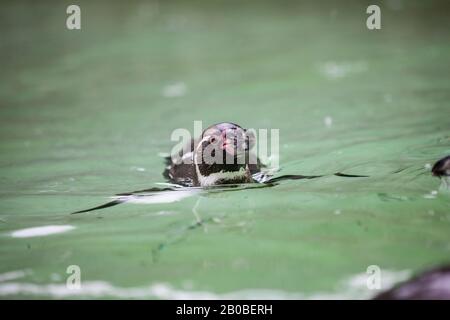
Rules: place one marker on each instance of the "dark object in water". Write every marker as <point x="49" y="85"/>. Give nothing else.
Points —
<point x="442" y="167"/>
<point x="339" y="174"/>
<point x="433" y="284"/>
<point x="221" y="155"/>
<point x="103" y="206"/>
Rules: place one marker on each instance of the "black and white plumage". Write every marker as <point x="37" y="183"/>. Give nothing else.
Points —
<point x="221" y="155"/>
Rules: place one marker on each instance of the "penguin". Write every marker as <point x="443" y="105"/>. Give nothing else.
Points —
<point x="221" y="155"/>
<point x="441" y="169"/>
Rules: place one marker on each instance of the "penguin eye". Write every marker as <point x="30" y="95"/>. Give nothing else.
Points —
<point x="213" y="139"/>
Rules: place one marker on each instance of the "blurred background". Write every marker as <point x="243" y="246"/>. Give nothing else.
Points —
<point x="84" y="114"/>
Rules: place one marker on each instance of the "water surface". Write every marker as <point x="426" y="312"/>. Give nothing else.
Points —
<point x="84" y="115"/>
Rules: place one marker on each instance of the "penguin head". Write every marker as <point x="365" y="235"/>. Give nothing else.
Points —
<point x="229" y="137"/>
<point x="223" y="148"/>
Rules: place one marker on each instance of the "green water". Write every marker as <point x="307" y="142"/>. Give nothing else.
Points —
<point x="84" y="115"/>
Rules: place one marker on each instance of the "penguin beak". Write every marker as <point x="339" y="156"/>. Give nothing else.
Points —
<point x="228" y="146"/>
<point x="233" y="143"/>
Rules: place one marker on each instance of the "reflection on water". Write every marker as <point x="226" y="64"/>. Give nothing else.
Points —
<point x="40" y="231"/>
<point x="351" y="288"/>
<point x="174" y="193"/>
<point x="445" y="185"/>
